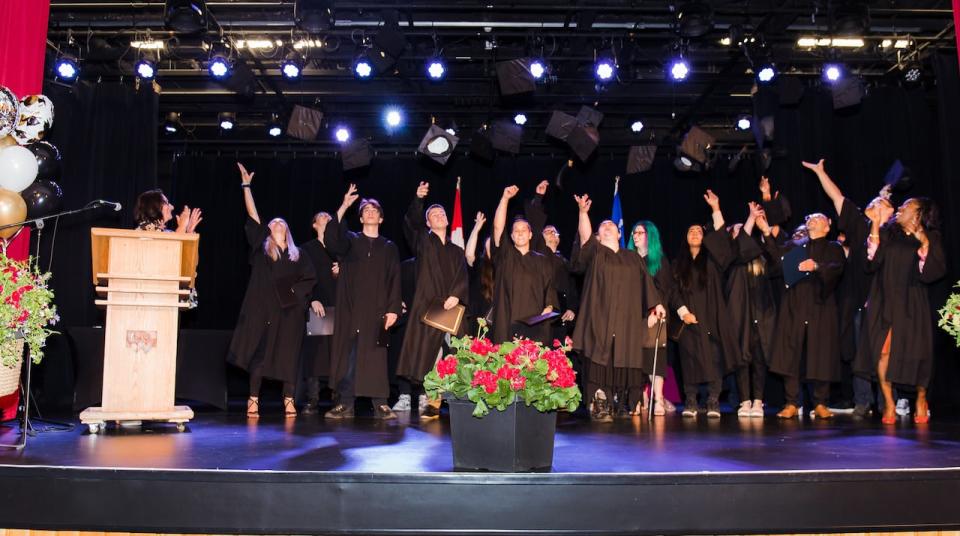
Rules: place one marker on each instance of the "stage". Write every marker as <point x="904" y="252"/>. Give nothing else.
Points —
<point x="228" y="474"/>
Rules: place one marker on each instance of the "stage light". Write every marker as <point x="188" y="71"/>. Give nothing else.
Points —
<point x="342" y="134"/>
<point x="362" y="68"/>
<point x="67" y="68"/>
<point x="912" y="73"/>
<point x="832" y="72"/>
<point x="679" y="69"/>
<point x="520" y="119"/>
<point x="227" y="120"/>
<point x="219" y="67"/>
<point x="605" y="70"/>
<point x="393" y="118"/>
<point x="766" y="73"/>
<point x="274" y="129"/>
<point x="314" y="16"/>
<point x="146" y="69"/>
<point x="538" y="69"/>
<point x="694" y="19"/>
<point x="436" y="69"/>
<point x="172" y="124"/>
<point x="743" y="122"/>
<point x="636" y="127"/>
<point x="682" y="163"/>
<point x="185" y="16"/>
<point x="292" y="66"/>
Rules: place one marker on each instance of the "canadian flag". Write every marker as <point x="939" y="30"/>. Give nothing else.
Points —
<point x="456" y="230"/>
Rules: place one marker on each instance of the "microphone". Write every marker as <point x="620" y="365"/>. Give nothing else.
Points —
<point x="116" y="206"/>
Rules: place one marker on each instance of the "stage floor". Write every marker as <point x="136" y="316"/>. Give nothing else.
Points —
<point x="220" y="441"/>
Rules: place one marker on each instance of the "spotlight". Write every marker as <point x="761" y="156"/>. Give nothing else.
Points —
<point x="538" y="69"/>
<point x="219" y="67"/>
<point x="694" y="19"/>
<point x="273" y="127"/>
<point x="362" y="68"/>
<point x="146" y="69"/>
<point x="766" y="73"/>
<point x="172" y="124"/>
<point x="605" y="70"/>
<point x="314" y="16"/>
<point x="682" y="163"/>
<point x="743" y="122"/>
<point x="832" y="72"/>
<point x="393" y="118"/>
<point x="520" y="119"/>
<point x="67" y="68"/>
<point x="912" y="73"/>
<point x="436" y="69"/>
<point x="451" y="131"/>
<point x="227" y="120"/>
<point x="342" y="134"/>
<point x="679" y="69"/>
<point x="636" y="127"/>
<point x="185" y="16"/>
<point x="292" y="66"/>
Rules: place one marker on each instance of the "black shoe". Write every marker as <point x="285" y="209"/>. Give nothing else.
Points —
<point x="690" y="409"/>
<point x="862" y="411"/>
<point x="383" y="413"/>
<point x="713" y="409"/>
<point x="310" y="408"/>
<point x="601" y="411"/>
<point x="339" y="412"/>
<point x="430" y="412"/>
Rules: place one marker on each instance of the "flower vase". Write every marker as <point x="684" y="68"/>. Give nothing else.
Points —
<point x="10" y="375"/>
<point x="518" y="439"/>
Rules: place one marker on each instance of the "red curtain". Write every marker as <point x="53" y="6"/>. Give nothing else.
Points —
<point x="23" y="40"/>
<point x="956" y="25"/>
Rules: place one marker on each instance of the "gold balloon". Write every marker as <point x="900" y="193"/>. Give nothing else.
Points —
<point x="13" y="209"/>
<point x="7" y="141"/>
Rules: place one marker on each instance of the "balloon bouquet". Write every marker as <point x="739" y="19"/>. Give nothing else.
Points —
<point x="28" y="165"/>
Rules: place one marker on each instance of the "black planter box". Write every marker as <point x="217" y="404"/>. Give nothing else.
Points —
<point x="519" y="439"/>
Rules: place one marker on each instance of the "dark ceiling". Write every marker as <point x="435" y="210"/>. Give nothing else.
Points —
<point x="472" y="37"/>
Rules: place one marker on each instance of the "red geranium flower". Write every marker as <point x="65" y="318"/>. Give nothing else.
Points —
<point x="447" y="366"/>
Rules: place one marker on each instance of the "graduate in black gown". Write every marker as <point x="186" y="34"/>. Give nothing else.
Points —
<point x="620" y="302"/>
<point x="707" y="342"/>
<point x="546" y="240"/>
<point x="854" y="286"/>
<point x="480" y="272"/>
<point x="441" y="277"/>
<point x="266" y="341"/>
<point x="523" y="287"/>
<point x="807" y="342"/>
<point x="316" y="348"/>
<point x="906" y="255"/>
<point x="368" y="303"/>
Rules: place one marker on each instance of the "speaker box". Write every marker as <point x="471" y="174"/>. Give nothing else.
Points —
<point x="640" y="158"/>
<point x="304" y="123"/>
<point x="515" y="78"/>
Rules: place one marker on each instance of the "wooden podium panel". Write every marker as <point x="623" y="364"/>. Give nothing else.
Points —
<point x="144" y="272"/>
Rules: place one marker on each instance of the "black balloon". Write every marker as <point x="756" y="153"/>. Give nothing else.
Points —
<point x="43" y="197"/>
<point x="48" y="159"/>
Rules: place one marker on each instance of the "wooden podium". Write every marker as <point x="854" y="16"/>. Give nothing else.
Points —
<point x="144" y="275"/>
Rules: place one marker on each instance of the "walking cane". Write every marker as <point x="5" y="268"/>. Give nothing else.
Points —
<point x="653" y="382"/>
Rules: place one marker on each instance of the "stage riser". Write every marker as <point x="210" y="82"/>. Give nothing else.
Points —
<point x="329" y="503"/>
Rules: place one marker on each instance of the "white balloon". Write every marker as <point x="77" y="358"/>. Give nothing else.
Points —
<point x="18" y="168"/>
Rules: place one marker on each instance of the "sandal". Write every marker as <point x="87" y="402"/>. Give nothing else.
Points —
<point x="289" y="409"/>
<point x="253" y="407"/>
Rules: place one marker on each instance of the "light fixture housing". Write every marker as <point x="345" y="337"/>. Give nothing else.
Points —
<point x="538" y="69"/>
<point x="832" y="72"/>
<point x="605" y="69"/>
<point x="227" y="121"/>
<point x="314" y="16"/>
<point x="220" y="66"/>
<point x="342" y="134"/>
<point x="636" y="127"/>
<point x="393" y="118"/>
<point x="274" y="128"/>
<point x="362" y="68"/>
<point x="436" y="69"/>
<point x="172" y="124"/>
<point x="67" y="68"/>
<point x="679" y="69"/>
<point x="185" y="16"/>
<point x="744" y="122"/>
<point x="146" y="69"/>
<point x="292" y="65"/>
<point x="766" y="73"/>
<point x="520" y="119"/>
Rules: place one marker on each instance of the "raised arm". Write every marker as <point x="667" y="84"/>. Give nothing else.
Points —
<point x="470" y="251"/>
<point x="714" y="202"/>
<point x="348" y="199"/>
<point x="500" y="217"/>
<point x="829" y="187"/>
<point x="414" y="222"/>
<point x="584" y="228"/>
<point x="245" y="180"/>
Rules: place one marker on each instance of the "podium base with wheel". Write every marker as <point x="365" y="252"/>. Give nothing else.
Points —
<point x="97" y="418"/>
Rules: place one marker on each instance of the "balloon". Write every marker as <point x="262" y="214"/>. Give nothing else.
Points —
<point x="36" y="118"/>
<point x="7" y="141"/>
<point x="48" y="159"/>
<point x="12" y="210"/>
<point x="9" y="111"/>
<point x="43" y="197"/>
<point x="18" y="168"/>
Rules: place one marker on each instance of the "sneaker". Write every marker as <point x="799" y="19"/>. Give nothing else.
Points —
<point x="310" y="408"/>
<point x="746" y="407"/>
<point x="690" y="409"/>
<point x="903" y="407"/>
<point x="757" y="410"/>
<point x="422" y="403"/>
<point x="600" y="408"/>
<point x="339" y="412"/>
<point x="862" y="411"/>
<point x="383" y="413"/>
<point x="429" y="412"/>
<point x="713" y="409"/>
<point x="403" y="403"/>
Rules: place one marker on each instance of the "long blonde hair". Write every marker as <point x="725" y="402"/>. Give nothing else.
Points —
<point x="272" y="249"/>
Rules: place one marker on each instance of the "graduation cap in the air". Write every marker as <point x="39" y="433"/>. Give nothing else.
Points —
<point x="777" y="209"/>
<point x="898" y="177"/>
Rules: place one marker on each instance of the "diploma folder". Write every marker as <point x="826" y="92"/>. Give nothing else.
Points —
<point x="320" y="326"/>
<point x="536" y="319"/>
<point x="446" y="320"/>
<point x="790" y="262"/>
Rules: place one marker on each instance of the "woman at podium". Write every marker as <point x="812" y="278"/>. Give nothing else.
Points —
<point x="266" y="341"/>
<point x="154" y="211"/>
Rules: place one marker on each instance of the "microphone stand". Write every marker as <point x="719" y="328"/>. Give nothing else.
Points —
<point x="26" y="426"/>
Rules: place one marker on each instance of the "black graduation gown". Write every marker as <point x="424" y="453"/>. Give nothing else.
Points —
<point x="714" y="326"/>
<point x="618" y="295"/>
<point x="523" y="289"/>
<point x="854" y="285"/>
<point x="441" y="272"/>
<point x="563" y="281"/>
<point x="368" y="288"/>
<point x="316" y="349"/>
<point x="809" y="317"/>
<point x="263" y="326"/>
<point x="663" y="281"/>
<point x="750" y="300"/>
<point x="899" y="301"/>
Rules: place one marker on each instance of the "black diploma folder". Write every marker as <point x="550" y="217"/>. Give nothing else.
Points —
<point x="536" y="319"/>
<point x="319" y="326"/>
<point x="790" y="262"/>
